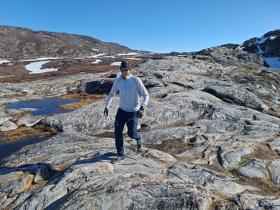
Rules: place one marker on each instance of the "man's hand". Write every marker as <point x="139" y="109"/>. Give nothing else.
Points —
<point x="141" y="112"/>
<point x="106" y="112"/>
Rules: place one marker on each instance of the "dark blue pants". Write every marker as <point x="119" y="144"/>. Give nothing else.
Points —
<point x="131" y="120"/>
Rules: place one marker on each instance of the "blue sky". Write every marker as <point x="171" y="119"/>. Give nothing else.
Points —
<point x="154" y="25"/>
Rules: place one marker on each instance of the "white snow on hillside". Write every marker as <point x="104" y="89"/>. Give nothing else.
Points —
<point x="46" y="58"/>
<point x="136" y="59"/>
<point x="118" y="63"/>
<point x="263" y="39"/>
<point x="36" y="67"/>
<point x="133" y="53"/>
<point x="109" y="56"/>
<point x="97" y="61"/>
<point x="4" y="61"/>
<point x="272" y="37"/>
<point x="40" y="59"/>
<point x="97" y="55"/>
<point x="260" y="51"/>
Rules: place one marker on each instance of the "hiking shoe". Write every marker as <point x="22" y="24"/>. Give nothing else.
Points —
<point x="139" y="146"/>
<point x="118" y="159"/>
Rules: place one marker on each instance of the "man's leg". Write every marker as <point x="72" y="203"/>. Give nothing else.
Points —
<point x="119" y="125"/>
<point x="132" y="123"/>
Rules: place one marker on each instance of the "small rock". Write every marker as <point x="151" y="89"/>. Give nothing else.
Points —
<point x="230" y="157"/>
<point x="53" y="123"/>
<point x="275" y="145"/>
<point x="159" y="155"/>
<point x="257" y="202"/>
<point x="15" y="183"/>
<point x="3" y="197"/>
<point x="4" y="117"/>
<point x="41" y="174"/>
<point x="253" y="168"/>
<point x="8" y="126"/>
<point x="274" y="169"/>
<point x="29" y="121"/>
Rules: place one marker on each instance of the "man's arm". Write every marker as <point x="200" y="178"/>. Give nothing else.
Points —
<point x="111" y="94"/>
<point x="143" y="92"/>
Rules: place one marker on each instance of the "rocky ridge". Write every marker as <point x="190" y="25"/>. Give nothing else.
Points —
<point x="22" y="43"/>
<point x="210" y="132"/>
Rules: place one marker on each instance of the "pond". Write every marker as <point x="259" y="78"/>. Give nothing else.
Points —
<point x="45" y="106"/>
<point x="8" y="148"/>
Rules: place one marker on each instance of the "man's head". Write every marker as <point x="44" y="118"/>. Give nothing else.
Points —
<point x="124" y="68"/>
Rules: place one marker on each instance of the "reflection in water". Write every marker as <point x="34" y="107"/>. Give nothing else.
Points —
<point x="8" y="148"/>
<point x="46" y="106"/>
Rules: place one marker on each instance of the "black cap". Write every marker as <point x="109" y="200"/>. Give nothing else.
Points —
<point x="124" y="66"/>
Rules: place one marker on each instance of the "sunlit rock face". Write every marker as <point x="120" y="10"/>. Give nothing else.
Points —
<point x="210" y="140"/>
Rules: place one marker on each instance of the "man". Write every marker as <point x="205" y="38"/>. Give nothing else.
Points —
<point x="130" y="87"/>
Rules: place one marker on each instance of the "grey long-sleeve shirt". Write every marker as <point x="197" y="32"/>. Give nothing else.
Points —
<point x="129" y="89"/>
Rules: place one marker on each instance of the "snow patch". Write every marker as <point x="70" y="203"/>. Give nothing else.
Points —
<point x="116" y="63"/>
<point x="46" y="58"/>
<point x="132" y="53"/>
<point x="263" y="39"/>
<point x="97" y="61"/>
<point x="240" y="48"/>
<point x="260" y="51"/>
<point x="272" y="37"/>
<point x="136" y="59"/>
<point x="40" y="59"/>
<point x="95" y="49"/>
<point x="109" y="56"/>
<point x="96" y="56"/>
<point x="4" y="61"/>
<point x="36" y="67"/>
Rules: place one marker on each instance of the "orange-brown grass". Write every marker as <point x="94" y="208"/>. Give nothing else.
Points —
<point x="22" y="132"/>
<point x="2" y="106"/>
<point x="84" y="100"/>
<point x="171" y="146"/>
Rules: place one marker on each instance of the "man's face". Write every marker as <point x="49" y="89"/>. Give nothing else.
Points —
<point x="125" y="73"/>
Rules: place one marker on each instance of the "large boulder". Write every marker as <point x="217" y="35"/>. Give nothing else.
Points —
<point x="98" y="87"/>
<point x="237" y="95"/>
<point x="253" y="168"/>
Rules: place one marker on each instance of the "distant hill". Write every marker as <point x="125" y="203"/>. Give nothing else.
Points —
<point x="22" y="43"/>
<point x="268" y="46"/>
<point x="259" y="51"/>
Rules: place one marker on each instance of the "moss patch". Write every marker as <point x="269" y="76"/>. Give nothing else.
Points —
<point x="84" y="100"/>
<point x="23" y="132"/>
<point x="261" y="151"/>
<point x="171" y="146"/>
<point x="2" y="106"/>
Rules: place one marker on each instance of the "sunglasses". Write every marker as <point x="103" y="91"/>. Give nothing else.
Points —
<point x="124" y="69"/>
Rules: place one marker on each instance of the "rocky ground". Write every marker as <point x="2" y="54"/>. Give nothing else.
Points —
<point x="211" y="140"/>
